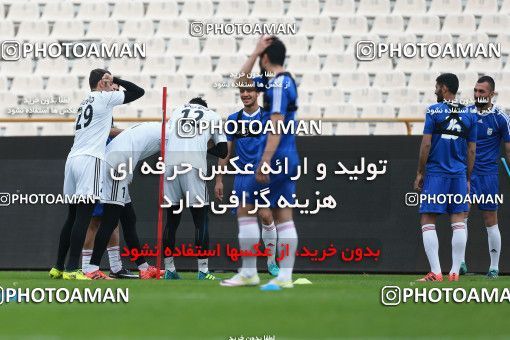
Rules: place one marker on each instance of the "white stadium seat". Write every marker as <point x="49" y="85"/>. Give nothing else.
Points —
<point x="327" y="44"/>
<point x="100" y="29"/>
<point x="386" y="128"/>
<point x="439" y="38"/>
<point x="412" y="64"/>
<point x="494" y="23"/>
<point x="388" y="79"/>
<point x="82" y="66"/>
<point x="479" y="7"/>
<point x="355" y="38"/>
<point x="8" y="100"/>
<point x="159" y="65"/>
<point x="303" y="8"/>
<point x="304" y="62"/>
<point x="368" y="95"/>
<point x="384" y="24"/>
<point x="6" y="29"/>
<point x="226" y="62"/>
<point x="402" y="38"/>
<point x="124" y="65"/>
<point x="56" y="129"/>
<point x="226" y="110"/>
<point x="440" y="7"/>
<point x="195" y="64"/>
<point x="183" y="46"/>
<point x="504" y="40"/>
<point x="371" y="7"/>
<point x="220" y="97"/>
<point x="207" y="82"/>
<point x="127" y="10"/>
<point x="309" y="111"/>
<point x="423" y="24"/>
<point x="505" y="7"/>
<point x="346" y="111"/>
<point x="153" y="46"/>
<point x="501" y="78"/>
<point x="335" y="8"/>
<point x="327" y="96"/>
<point x="353" y="80"/>
<point x="295" y="44"/>
<point x="403" y="95"/>
<point x="68" y="30"/>
<point x="473" y="38"/>
<point x="485" y="65"/>
<point x="376" y="65"/>
<point x="55" y="11"/>
<point x="503" y="97"/>
<point x="316" y="81"/>
<point x="3" y="84"/>
<point x="93" y="10"/>
<point x="219" y="45"/>
<point x="173" y="27"/>
<point x="315" y="25"/>
<point x="138" y="29"/>
<point x="26" y="84"/>
<point x="409" y="7"/>
<point x="375" y="110"/>
<point x="33" y="30"/>
<point x="125" y="111"/>
<point x="459" y="23"/>
<point x="172" y="81"/>
<point x="348" y="25"/>
<point x="23" y="11"/>
<point x="47" y="66"/>
<point x="448" y="64"/>
<point x="417" y="129"/>
<point x="14" y="129"/>
<point x="412" y="111"/>
<point x="423" y="80"/>
<point x="57" y="83"/>
<point x="267" y="8"/>
<point x="197" y="9"/>
<point x="157" y="10"/>
<point x="18" y="67"/>
<point x="233" y="8"/>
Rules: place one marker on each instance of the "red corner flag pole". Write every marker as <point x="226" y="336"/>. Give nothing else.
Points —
<point x="161" y="179"/>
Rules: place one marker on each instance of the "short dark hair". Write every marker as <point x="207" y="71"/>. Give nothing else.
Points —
<point x="276" y="52"/>
<point x="487" y="79"/>
<point x="449" y="80"/>
<point x="95" y="76"/>
<point x="199" y="101"/>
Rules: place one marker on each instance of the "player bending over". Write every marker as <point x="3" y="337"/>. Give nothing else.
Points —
<point x="83" y="165"/>
<point x="493" y="127"/>
<point x="280" y="103"/>
<point x="135" y="143"/>
<point x="191" y="150"/>
<point x="447" y="155"/>
<point x="246" y="148"/>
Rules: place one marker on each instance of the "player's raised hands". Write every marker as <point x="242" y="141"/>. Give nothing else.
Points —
<point x="107" y="79"/>
<point x="262" y="44"/>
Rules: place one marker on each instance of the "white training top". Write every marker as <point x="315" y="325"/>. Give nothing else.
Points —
<point x="138" y="142"/>
<point x="94" y="122"/>
<point x="191" y="149"/>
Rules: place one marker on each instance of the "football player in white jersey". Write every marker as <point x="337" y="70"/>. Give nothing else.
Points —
<point x="83" y="165"/>
<point x="186" y="147"/>
<point x="131" y="145"/>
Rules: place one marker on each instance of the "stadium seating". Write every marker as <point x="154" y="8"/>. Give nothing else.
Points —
<point x="333" y="83"/>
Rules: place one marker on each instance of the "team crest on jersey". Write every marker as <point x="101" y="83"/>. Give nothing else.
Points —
<point x="489" y="131"/>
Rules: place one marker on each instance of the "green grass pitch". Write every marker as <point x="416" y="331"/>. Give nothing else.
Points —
<point x="334" y="306"/>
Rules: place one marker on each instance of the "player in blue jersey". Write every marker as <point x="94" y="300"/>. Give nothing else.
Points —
<point x="246" y="146"/>
<point x="447" y="155"/>
<point x="493" y="127"/>
<point x="280" y="103"/>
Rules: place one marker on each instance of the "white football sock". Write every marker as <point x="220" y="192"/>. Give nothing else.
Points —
<point x="143" y="266"/>
<point x="458" y="245"/>
<point x="114" y="258"/>
<point x="170" y="264"/>
<point x="269" y="237"/>
<point x="203" y="265"/>
<point x="466" y="225"/>
<point x="494" y="238"/>
<point x="287" y="235"/>
<point x="249" y="235"/>
<point x="431" y="245"/>
<point x="86" y="254"/>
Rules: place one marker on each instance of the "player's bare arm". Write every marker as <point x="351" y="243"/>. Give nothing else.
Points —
<point x="132" y="91"/>
<point x="273" y="140"/>
<point x="422" y="161"/>
<point x="262" y="44"/>
<point x="222" y="163"/>
<point x="114" y="132"/>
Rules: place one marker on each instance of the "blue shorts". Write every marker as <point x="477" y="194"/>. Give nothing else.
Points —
<point x="98" y="210"/>
<point x="487" y="185"/>
<point x="279" y="186"/>
<point x="435" y="185"/>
